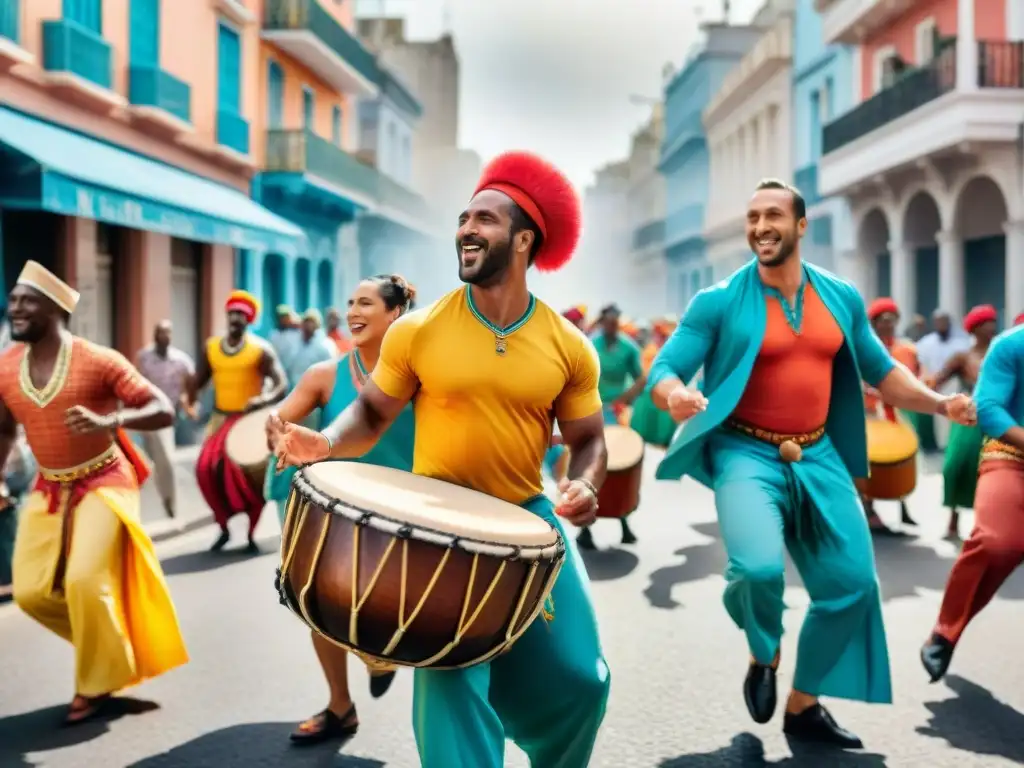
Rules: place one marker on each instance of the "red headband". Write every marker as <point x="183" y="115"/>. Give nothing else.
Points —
<point x="984" y="313"/>
<point x="882" y="306"/>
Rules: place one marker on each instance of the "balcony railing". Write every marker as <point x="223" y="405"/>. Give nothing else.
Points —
<point x="308" y="16"/>
<point x="914" y="89"/>
<point x="305" y="152"/>
<point x="10" y="19"/>
<point x="649" y="234"/>
<point x="398" y="94"/>
<point x="152" y="87"/>
<point x="806" y="180"/>
<point x="70" y="47"/>
<point x="233" y="131"/>
<point x="1001" y="64"/>
<point x="684" y="223"/>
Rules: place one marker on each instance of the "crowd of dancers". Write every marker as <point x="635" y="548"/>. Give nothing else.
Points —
<point x="777" y="389"/>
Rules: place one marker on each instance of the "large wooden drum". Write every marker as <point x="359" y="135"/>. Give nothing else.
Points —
<point x="620" y="494"/>
<point x="892" y="454"/>
<point x="246" y="445"/>
<point x="407" y="570"/>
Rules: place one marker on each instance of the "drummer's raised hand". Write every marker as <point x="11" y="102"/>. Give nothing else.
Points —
<point x="685" y="403"/>
<point x="578" y="502"/>
<point x="298" y="445"/>
<point x="961" y="409"/>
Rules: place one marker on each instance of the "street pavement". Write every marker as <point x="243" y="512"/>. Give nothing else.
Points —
<point x="677" y="664"/>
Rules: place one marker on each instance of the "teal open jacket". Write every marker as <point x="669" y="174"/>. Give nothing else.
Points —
<point x="722" y="331"/>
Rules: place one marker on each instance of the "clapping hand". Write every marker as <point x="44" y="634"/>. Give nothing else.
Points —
<point x="295" y="445"/>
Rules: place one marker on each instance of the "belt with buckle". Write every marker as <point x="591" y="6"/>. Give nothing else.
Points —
<point x="790" y="445"/>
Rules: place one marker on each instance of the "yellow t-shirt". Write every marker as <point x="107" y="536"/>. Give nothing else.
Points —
<point x="484" y="420"/>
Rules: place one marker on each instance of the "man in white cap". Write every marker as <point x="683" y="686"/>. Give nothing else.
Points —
<point x="83" y="566"/>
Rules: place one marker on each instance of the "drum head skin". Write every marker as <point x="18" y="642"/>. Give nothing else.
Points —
<point x="625" y="448"/>
<point x="432" y="504"/>
<point x="890" y="442"/>
<point x="246" y="444"/>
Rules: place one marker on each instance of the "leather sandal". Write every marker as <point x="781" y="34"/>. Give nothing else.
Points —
<point x="84" y="708"/>
<point x="324" y="726"/>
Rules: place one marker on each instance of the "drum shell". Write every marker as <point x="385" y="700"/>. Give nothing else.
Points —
<point x="890" y="482"/>
<point x="325" y="552"/>
<point x="620" y="494"/>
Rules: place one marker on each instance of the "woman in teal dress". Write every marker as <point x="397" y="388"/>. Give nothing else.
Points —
<point x="331" y="386"/>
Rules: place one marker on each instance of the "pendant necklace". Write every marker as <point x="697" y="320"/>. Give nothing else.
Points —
<point x="501" y="334"/>
<point x="359" y="372"/>
<point x="230" y="349"/>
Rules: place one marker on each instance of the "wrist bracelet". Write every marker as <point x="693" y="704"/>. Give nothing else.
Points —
<point x="589" y="485"/>
<point x="330" y="443"/>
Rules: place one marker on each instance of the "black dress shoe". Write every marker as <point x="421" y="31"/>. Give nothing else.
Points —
<point x="936" y="655"/>
<point x="221" y="542"/>
<point x="816" y="725"/>
<point x="759" y="692"/>
<point x="585" y="540"/>
<point x="379" y="684"/>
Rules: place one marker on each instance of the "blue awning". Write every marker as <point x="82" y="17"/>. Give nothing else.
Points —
<point x="71" y="174"/>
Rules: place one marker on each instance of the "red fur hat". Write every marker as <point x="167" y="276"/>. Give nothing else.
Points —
<point x="984" y="313"/>
<point x="547" y="197"/>
<point x="882" y="306"/>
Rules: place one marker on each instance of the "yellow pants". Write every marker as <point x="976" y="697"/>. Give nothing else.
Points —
<point x="104" y="560"/>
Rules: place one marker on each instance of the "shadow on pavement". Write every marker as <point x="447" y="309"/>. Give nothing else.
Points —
<point x="975" y="721"/>
<point x="43" y="730"/>
<point x="203" y="560"/>
<point x="254" y="745"/>
<point x="747" y="751"/>
<point x="609" y="564"/>
<point x="903" y="568"/>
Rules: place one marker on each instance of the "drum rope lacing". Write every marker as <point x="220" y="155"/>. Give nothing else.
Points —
<point x="511" y="635"/>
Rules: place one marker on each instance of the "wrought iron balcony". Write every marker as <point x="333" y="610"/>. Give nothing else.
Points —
<point x="153" y="87"/>
<point x="70" y="48"/>
<point x="806" y="180"/>
<point x="310" y="34"/>
<point x="1001" y="64"/>
<point x="651" y="233"/>
<point x="233" y="131"/>
<point x="914" y="88"/>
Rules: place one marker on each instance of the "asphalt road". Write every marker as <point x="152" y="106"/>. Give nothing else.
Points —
<point x="677" y="665"/>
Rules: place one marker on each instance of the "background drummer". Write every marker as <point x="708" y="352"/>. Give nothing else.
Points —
<point x="246" y="376"/>
<point x="884" y="316"/>
<point x="486" y="366"/>
<point x="622" y="380"/>
<point x="332" y="386"/>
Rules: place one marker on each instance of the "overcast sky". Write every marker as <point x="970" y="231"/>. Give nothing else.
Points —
<point x="556" y="76"/>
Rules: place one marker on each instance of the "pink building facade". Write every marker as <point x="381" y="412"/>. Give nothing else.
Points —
<point x="126" y="158"/>
<point x="930" y="160"/>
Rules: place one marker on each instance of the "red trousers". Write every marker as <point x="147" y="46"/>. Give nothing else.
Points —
<point x="994" y="550"/>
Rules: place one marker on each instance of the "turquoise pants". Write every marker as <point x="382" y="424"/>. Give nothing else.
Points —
<point x="547" y="694"/>
<point x="812" y="509"/>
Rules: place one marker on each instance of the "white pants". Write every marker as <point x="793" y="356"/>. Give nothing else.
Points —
<point x="159" y="446"/>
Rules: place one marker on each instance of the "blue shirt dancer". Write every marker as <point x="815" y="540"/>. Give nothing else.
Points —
<point x="779" y="434"/>
<point x="996" y="545"/>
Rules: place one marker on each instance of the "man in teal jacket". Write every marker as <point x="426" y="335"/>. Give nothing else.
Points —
<point x="778" y="432"/>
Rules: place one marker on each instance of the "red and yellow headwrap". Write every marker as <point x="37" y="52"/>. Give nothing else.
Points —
<point x="983" y="313"/>
<point x="546" y="196"/>
<point x="882" y="306"/>
<point x="244" y="302"/>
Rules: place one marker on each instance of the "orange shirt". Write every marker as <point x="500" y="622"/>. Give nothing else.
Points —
<point x="96" y="377"/>
<point x="791" y="383"/>
<point x="903" y="352"/>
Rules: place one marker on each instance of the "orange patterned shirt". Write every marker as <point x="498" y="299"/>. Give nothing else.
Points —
<point x="96" y="377"/>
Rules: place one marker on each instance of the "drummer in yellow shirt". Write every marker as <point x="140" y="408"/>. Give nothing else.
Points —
<point x="488" y="368"/>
